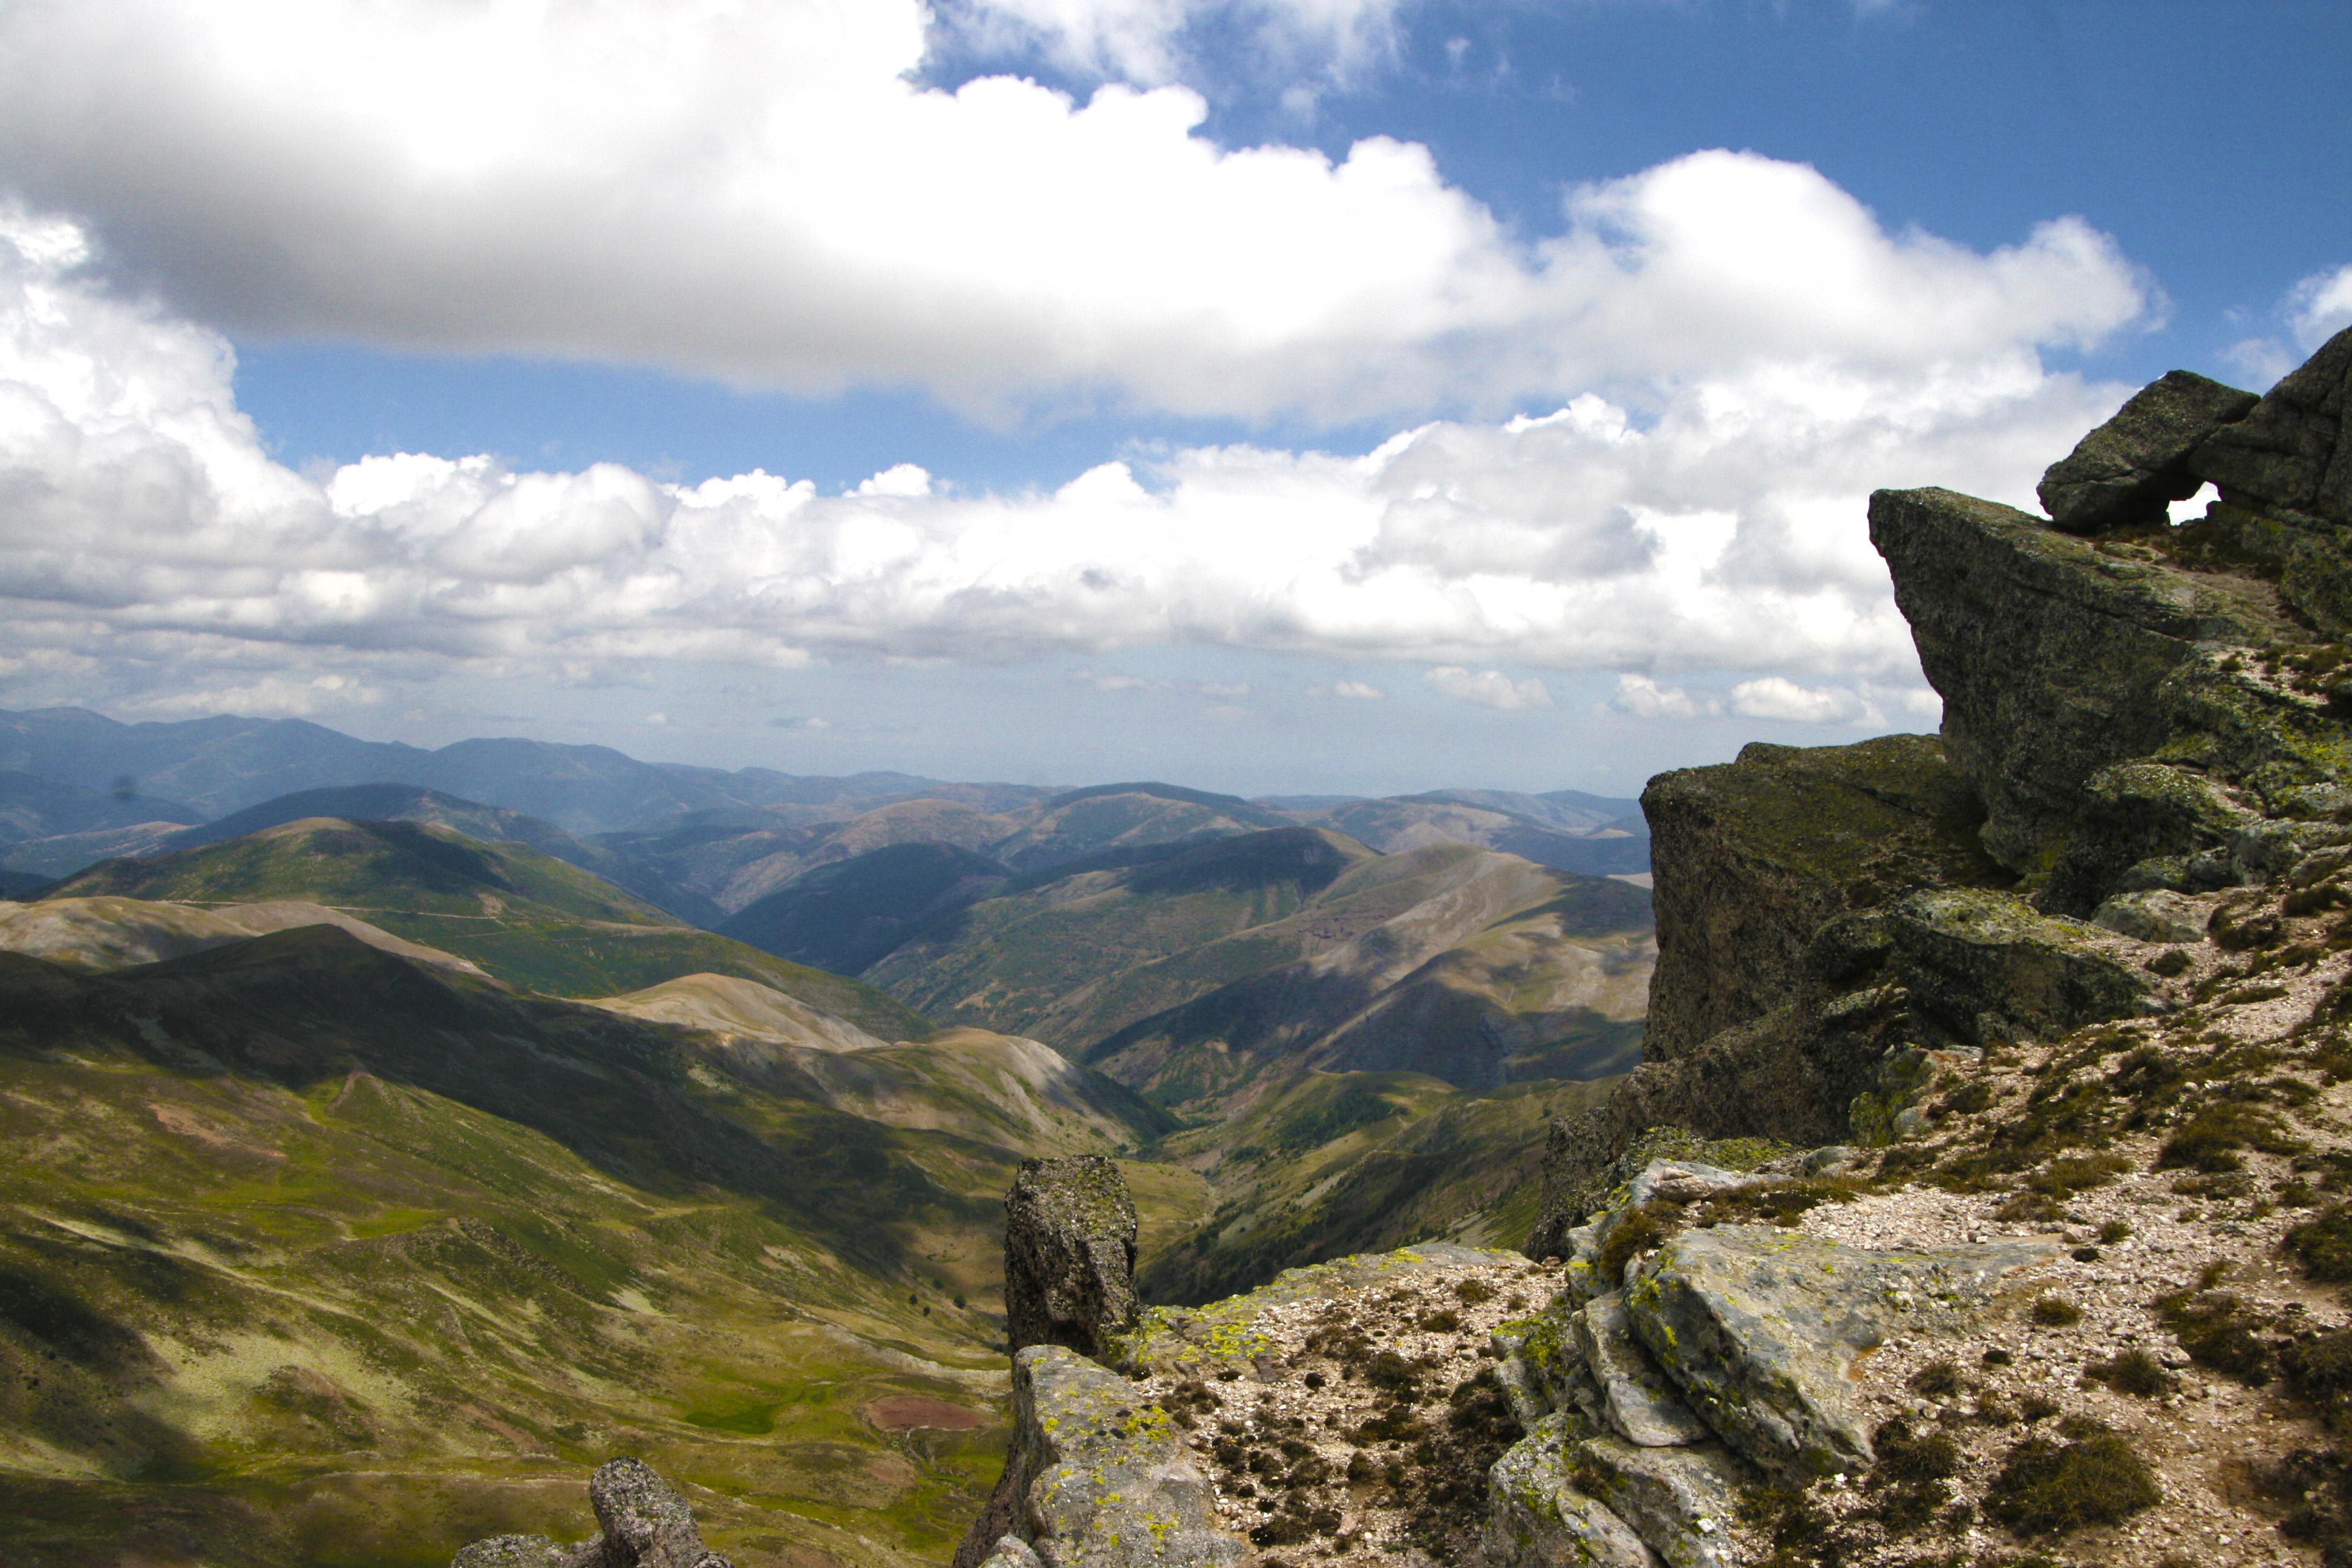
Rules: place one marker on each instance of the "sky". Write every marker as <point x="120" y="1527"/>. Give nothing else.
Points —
<point x="1272" y="396"/>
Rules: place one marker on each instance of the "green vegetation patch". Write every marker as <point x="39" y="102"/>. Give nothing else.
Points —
<point x="2049" y="1486"/>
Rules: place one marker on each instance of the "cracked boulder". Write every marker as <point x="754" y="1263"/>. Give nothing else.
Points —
<point x="647" y="1524"/>
<point x="1680" y="1501"/>
<point x="1763" y="1330"/>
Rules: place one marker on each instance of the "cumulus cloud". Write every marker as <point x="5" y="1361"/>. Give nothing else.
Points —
<point x="1358" y="691"/>
<point x="1488" y="687"/>
<point x="1645" y="696"/>
<point x="765" y="194"/>
<point x="140" y="516"/>
<point x="1777" y="697"/>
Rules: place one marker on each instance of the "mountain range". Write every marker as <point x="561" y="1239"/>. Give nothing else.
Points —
<point x="397" y="1147"/>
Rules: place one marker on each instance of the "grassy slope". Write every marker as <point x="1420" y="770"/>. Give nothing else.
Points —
<point x="1065" y="958"/>
<point x="525" y="917"/>
<point x="317" y="1257"/>
<point x="1336" y="1163"/>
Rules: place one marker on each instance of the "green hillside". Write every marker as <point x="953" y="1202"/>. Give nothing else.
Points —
<point x="524" y="917"/>
<point x="1064" y="956"/>
<point x="318" y="1256"/>
<point x="1333" y="1164"/>
<point x="1189" y="974"/>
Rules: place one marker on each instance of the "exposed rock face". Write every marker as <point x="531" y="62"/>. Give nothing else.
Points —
<point x="1095" y="1475"/>
<point x="1106" y="1482"/>
<point x="1751" y="856"/>
<point x="1636" y="1399"/>
<point x="647" y="1524"/>
<point x="2125" y="471"/>
<point x="1069" y="1255"/>
<point x="2054" y="658"/>
<point x="2292" y="456"/>
<point x="1538" y="1519"/>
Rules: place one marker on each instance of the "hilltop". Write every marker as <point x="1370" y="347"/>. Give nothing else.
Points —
<point x="522" y="915"/>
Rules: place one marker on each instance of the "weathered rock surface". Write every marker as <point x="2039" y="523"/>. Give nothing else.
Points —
<point x="647" y="1524"/>
<point x="1681" y="1501"/>
<point x="1639" y="1400"/>
<point x="2056" y="659"/>
<point x="1069" y="1255"/>
<point x="2157" y="915"/>
<point x="1538" y="1519"/>
<point x="1761" y="1329"/>
<point x="1986" y="965"/>
<point x="1106" y="1481"/>
<point x="1751" y="856"/>
<point x="2123" y="473"/>
<point x="2293" y="454"/>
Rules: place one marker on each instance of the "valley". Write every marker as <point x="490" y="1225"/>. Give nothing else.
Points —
<point x="398" y="1154"/>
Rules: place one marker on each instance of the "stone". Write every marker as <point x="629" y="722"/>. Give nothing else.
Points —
<point x="1639" y="1402"/>
<point x="1979" y="961"/>
<point x="1751" y="856"/>
<point x="1537" y="1518"/>
<point x="647" y="1523"/>
<point x="2123" y="474"/>
<point x="2056" y="659"/>
<point x="1107" y="1481"/>
<point x="1069" y="1255"/>
<point x="2157" y="915"/>
<point x="1012" y="1552"/>
<point x="1681" y="1501"/>
<point x="1516" y="1378"/>
<point x="1762" y="1329"/>
<point x="2291" y="455"/>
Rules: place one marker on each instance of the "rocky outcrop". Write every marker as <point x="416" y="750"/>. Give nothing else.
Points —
<point x="1106" y="1482"/>
<point x="1069" y="1255"/>
<point x="644" y="1524"/>
<point x="1761" y="1329"/>
<point x="2057" y="659"/>
<point x="1751" y="857"/>
<point x="2124" y="473"/>
<point x="1096" y="1476"/>
<point x="2137" y="717"/>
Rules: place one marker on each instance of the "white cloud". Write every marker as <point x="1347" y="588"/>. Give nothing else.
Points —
<point x="1777" y="697"/>
<point x="1644" y="697"/>
<point x="270" y="696"/>
<point x="1358" y="691"/>
<point x="2320" y="307"/>
<point x="762" y="194"/>
<point x="1488" y="687"/>
<point x="142" y="526"/>
<point x="1143" y="41"/>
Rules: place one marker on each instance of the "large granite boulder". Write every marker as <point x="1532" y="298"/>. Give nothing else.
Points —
<point x="1105" y="1480"/>
<point x="2124" y="473"/>
<point x="1761" y="1328"/>
<point x="647" y="1524"/>
<point x="1069" y="1255"/>
<point x="1987" y="965"/>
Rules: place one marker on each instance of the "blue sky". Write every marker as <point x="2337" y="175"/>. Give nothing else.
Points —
<point x="1317" y="394"/>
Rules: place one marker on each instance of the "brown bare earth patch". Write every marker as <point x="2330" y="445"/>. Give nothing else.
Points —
<point x="902" y="1412"/>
